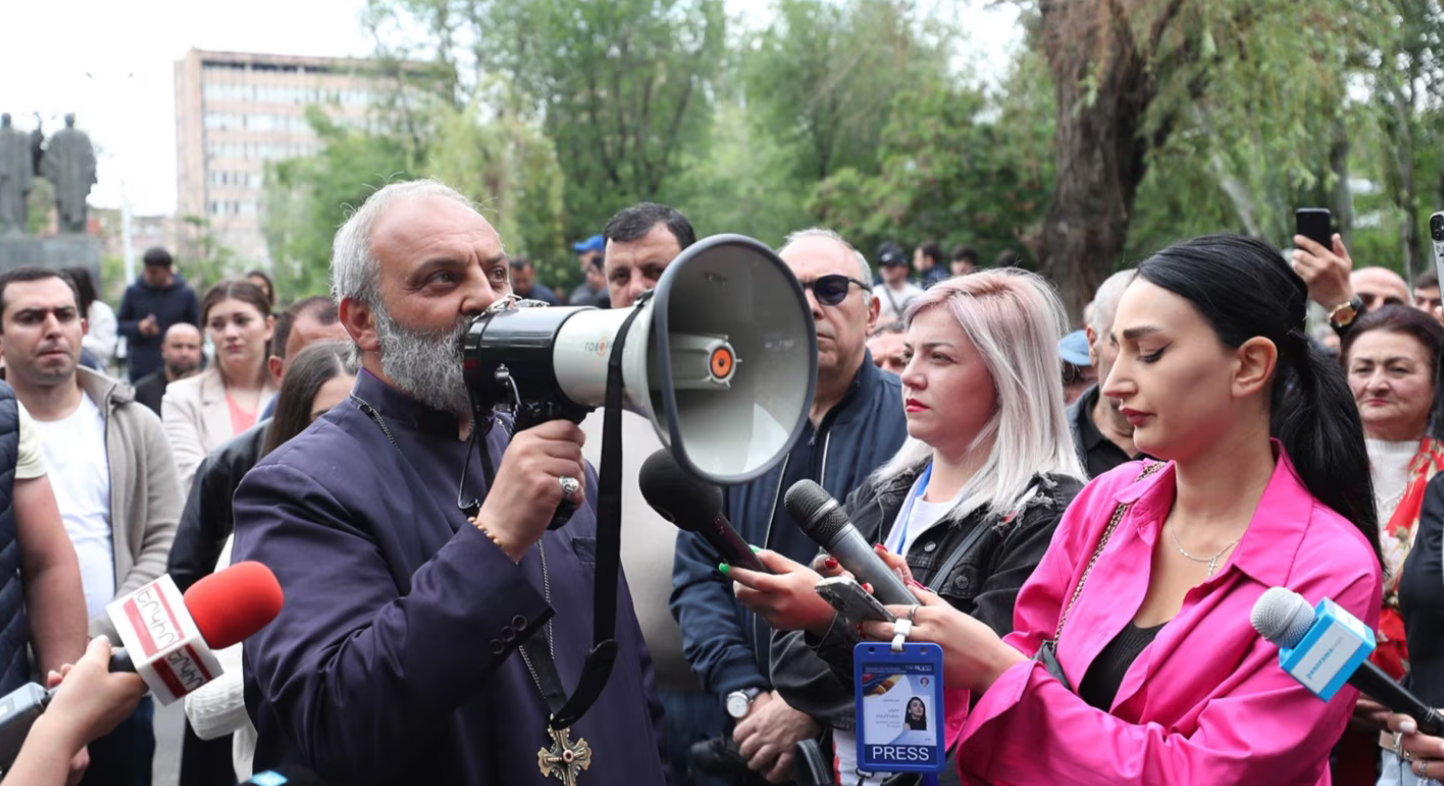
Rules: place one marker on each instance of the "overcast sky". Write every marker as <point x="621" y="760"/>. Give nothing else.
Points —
<point x="112" y="63"/>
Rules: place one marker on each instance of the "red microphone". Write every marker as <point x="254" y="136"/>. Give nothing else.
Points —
<point x="169" y="638"/>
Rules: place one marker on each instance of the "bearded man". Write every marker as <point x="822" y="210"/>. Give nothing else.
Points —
<point x="395" y="657"/>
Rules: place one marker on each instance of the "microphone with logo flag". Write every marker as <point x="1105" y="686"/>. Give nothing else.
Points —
<point x="168" y="638"/>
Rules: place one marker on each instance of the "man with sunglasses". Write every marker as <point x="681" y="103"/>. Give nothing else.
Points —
<point x="856" y="424"/>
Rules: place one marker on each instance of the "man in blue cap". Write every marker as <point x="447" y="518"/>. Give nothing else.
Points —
<point x="1078" y="372"/>
<point x="593" y="290"/>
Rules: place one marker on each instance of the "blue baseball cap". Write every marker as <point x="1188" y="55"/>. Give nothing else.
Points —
<point x="1073" y="348"/>
<point x="595" y="243"/>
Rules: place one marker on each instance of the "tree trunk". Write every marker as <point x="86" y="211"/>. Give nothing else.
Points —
<point x="1341" y="199"/>
<point x="1100" y="151"/>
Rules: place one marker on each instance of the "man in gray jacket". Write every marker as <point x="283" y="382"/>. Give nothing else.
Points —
<point x="111" y="469"/>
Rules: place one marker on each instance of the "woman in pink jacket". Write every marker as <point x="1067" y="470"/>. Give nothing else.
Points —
<point x="1266" y="484"/>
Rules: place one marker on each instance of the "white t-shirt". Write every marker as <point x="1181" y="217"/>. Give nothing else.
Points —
<point x="895" y="301"/>
<point x="74" y="449"/>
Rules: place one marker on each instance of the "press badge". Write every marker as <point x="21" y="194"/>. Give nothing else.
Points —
<point x="899" y="707"/>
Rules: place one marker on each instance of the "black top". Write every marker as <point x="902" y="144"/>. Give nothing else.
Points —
<point x="150" y="389"/>
<point x="1421" y="599"/>
<point x="1097" y="452"/>
<point x="1100" y="684"/>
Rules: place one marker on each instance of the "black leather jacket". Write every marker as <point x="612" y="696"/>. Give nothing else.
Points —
<point x="808" y="672"/>
<point x="208" y="518"/>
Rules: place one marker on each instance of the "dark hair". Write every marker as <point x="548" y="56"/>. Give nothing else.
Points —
<point x="84" y="288"/>
<point x="270" y="289"/>
<point x="34" y="273"/>
<point x="932" y="251"/>
<point x="1008" y="258"/>
<point x="157" y="257"/>
<point x="1243" y="287"/>
<point x="312" y="367"/>
<point x="634" y="222"/>
<point x="1429" y="278"/>
<point x="920" y="723"/>
<point x="965" y="253"/>
<point x="318" y="307"/>
<point x="520" y="263"/>
<point x="234" y="289"/>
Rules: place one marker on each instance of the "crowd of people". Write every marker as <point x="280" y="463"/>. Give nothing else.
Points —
<point x="1084" y="516"/>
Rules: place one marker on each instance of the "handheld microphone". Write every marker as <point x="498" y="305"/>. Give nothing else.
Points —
<point x="694" y="506"/>
<point x="1325" y="647"/>
<point x="218" y="611"/>
<point x="821" y="518"/>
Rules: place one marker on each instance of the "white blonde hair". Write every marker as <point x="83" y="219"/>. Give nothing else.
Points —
<point x="1014" y="319"/>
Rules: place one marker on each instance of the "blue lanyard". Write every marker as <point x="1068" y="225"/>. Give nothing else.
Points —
<point x="920" y="487"/>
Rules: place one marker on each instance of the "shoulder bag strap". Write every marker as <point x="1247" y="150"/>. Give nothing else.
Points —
<point x="1118" y="512"/>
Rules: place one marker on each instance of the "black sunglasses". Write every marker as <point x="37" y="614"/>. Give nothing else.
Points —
<point x="832" y="290"/>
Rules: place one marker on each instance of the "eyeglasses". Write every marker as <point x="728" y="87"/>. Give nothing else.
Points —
<point x="832" y="290"/>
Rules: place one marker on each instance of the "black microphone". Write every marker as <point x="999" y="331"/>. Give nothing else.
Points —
<point x="821" y="518"/>
<point x="694" y="506"/>
<point x="286" y="774"/>
<point x="1284" y="618"/>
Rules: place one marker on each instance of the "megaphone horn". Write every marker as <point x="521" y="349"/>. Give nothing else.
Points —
<point x="722" y="358"/>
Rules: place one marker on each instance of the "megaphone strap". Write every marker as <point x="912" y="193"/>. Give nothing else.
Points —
<point x="598" y="667"/>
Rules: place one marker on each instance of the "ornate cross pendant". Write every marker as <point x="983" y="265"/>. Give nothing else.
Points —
<point x="564" y="760"/>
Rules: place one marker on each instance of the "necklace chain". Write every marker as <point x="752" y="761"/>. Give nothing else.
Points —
<point x="1212" y="561"/>
<point x="547" y="630"/>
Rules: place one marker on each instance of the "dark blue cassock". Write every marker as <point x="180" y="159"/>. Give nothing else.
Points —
<point x="394" y="659"/>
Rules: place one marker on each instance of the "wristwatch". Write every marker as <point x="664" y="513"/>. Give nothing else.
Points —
<point x="740" y="701"/>
<point x="1343" y="315"/>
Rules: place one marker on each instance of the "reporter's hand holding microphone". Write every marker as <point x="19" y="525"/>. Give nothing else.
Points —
<point x="89" y="702"/>
<point x="541" y="469"/>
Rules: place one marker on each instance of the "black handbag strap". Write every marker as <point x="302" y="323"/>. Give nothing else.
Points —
<point x="973" y="537"/>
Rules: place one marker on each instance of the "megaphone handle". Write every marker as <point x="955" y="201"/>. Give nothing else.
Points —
<point x="563" y="514"/>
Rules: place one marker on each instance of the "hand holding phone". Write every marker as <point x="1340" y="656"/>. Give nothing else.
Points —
<point x="1316" y="224"/>
<point x="853" y="603"/>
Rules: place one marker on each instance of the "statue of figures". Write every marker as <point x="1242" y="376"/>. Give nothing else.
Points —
<point x="17" y="176"/>
<point x="69" y="164"/>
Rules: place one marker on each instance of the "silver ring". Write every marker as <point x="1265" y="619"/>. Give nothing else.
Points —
<point x="1399" y="747"/>
<point x="913" y="613"/>
<point x="570" y="486"/>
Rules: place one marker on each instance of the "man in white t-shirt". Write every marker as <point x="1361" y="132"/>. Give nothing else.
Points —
<point x="896" y="290"/>
<point x="110" y="466"/>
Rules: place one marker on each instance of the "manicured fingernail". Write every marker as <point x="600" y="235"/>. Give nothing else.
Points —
<point x="882" y="548"/>
<point x="830" y="562"/>
<point x="867" y="587"/>
<point x="911" y="582"/>
<point x="723" y="567"/>
<point x="755" y="549"/>
<point x="1408" y="727"/>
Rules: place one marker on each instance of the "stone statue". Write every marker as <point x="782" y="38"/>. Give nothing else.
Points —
<point x="69" y="164"/>
<point x="17" y="177"/>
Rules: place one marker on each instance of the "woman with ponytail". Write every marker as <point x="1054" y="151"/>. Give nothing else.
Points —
<point x="1151" y="672"/>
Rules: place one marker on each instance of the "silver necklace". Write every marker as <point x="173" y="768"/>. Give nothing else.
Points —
<point x="546" y="631"/>
<point x="1212" y="561"/>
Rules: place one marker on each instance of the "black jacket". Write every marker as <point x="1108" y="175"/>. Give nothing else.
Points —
<point x="209" y="518"/>
<point x="983" y="582"/>
<point x="170" y="304"/>
<point x="150" y="390"/>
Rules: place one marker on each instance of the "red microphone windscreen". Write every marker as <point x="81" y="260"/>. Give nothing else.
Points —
<point x="230" y="605"/>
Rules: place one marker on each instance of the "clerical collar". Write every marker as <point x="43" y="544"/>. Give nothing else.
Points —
<point x="404" y="410"/>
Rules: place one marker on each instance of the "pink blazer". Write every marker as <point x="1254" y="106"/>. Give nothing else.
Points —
<point x="1206" y="702"/>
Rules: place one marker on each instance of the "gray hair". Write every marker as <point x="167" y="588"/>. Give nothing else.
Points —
<point x="827" y="234"/>
<point x="355" y="273"/>
<point x="1105" y="301"/>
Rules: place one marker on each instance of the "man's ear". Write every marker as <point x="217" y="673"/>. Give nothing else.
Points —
<point x="275" y="365"/>
<point x="360" y="324"/>
<point x="874" y="310"/>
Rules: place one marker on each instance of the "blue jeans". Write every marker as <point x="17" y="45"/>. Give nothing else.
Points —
<point x="692" y="716"/>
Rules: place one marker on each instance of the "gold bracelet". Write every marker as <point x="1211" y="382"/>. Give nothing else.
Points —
<point x="476" y="522"/>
